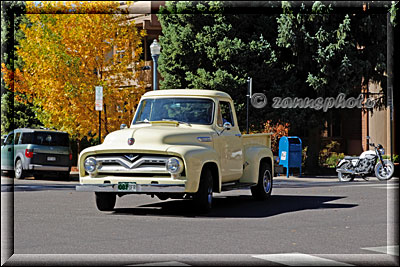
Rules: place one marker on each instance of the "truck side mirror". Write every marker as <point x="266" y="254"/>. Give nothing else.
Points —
<point x="227" y="126"/>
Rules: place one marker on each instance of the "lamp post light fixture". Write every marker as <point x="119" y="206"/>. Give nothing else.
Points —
<point x="155" y="52"/>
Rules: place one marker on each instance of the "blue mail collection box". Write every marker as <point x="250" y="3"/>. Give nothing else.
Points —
<point x="290" y="153"/>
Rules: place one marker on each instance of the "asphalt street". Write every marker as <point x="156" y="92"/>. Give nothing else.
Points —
<point x="307" y="221"/>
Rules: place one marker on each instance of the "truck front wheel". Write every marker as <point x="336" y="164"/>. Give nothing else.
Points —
<point x="263" y="189"/>
<point x="105" y="201"/>
<point x="204" y="195"/>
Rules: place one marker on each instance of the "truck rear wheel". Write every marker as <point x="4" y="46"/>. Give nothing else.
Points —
<point x="203" y="197"/>
<point x="105" y="201"/>
<point x="263" y="189"/>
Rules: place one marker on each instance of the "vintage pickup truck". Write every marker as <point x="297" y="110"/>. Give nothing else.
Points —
<point x="182" y="143"/>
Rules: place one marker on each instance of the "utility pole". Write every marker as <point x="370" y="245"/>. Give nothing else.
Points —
<point x="248" y="96"/>
<point x="389" y="91"/>
<point x="99" y="106"/>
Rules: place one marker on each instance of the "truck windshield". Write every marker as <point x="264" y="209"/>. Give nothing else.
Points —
<point x="188" y="110"/>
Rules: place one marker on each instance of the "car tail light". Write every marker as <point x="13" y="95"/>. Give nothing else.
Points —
<point x="29" y="153"/>
<point x="70" y="156"/>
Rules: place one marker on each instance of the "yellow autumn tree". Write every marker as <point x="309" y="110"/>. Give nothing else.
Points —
<point x="71" y="47"/>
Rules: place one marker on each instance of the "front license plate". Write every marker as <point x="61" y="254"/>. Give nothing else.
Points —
<point x="127" y="186"/>
<point x="51" y="158"/>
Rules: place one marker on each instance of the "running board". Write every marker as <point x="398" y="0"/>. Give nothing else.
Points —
<point x="235" y="185"/>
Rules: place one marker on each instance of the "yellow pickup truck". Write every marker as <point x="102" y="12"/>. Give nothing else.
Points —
<point x="182" y="143"/>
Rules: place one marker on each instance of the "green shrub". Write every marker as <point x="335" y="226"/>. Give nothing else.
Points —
<point x="328" y="156"/>
<point x="395" y="158"/>
<point x="332" y="160"/>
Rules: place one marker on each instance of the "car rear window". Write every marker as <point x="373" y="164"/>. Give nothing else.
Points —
<point x="26" y="138"/>
<point x="50" y="139"/>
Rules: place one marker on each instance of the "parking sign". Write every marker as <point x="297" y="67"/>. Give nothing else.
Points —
<point x="99" y="98"/>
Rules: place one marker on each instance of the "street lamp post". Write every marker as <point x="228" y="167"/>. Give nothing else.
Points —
<point x="155" y="52"/>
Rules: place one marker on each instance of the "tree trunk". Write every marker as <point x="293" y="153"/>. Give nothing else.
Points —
<point x="314" y="145"/>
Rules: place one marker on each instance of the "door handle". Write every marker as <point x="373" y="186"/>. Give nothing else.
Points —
<point x="9" y="149"/>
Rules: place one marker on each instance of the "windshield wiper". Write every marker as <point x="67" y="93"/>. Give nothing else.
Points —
<point x="145" y="121"/>
<point x="178" y="121"/>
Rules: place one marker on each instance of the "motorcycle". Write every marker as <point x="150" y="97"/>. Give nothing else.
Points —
<point x="369" y="162"/>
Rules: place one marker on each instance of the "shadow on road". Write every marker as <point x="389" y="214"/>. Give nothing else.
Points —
<point x="238" y="207"/>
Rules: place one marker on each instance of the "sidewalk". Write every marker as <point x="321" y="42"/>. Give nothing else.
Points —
<point x="307" y="178"/>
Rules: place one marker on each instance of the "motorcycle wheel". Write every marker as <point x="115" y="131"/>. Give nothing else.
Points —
<point x="345" y="177"/>
<point x="384" y="173"/>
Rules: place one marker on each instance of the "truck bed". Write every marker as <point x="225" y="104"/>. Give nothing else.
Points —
<point x="263" y="139"/>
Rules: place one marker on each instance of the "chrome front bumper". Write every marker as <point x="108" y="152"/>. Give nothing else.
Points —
<point x="140" y="188"/>
<point x="48" y="168"/>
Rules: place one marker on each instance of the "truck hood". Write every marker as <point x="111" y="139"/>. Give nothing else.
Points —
<point x="156" y="137"/>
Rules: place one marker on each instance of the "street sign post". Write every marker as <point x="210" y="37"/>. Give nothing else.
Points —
<point x="99" y="106"/>
<point x="99" y="98"/>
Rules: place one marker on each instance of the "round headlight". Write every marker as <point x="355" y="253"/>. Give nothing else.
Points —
<point x="90" y="165"/>
<point x="174" y="165"/>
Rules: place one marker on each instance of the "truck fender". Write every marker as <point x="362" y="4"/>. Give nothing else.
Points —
<point x="252" y="158"/>
<point x="195" y="158"/>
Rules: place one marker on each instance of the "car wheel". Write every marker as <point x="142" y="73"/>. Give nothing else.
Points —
<point x="105" y="201"/>
<point x="263" y="189"/>
<point x="204" y="195"/>
<point x="19" y="170"/>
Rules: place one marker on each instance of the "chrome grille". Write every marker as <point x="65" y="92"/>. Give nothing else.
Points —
<point x="131" y="163"/>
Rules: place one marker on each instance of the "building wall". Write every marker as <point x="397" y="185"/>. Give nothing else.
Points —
<point x="144" y="14"/>
<point x="378" y="128"/>
<point x="352" y="131"/>
<point x="378" y="123"/>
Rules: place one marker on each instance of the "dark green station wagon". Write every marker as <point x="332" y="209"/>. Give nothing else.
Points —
<point x="36" y="152"/>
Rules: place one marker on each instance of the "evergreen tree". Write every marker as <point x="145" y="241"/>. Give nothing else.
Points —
<point x="324" y="53"/>
<point x="307" y="51"/>
<point x="204" y="48"/>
